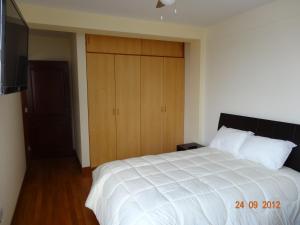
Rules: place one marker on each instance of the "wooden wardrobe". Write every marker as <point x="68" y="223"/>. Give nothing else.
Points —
<point x="135" y="97"/>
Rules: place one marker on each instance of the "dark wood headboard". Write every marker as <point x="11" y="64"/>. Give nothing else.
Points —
<point x="267" y="128"/>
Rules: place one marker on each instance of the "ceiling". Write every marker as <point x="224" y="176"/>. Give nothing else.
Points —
<point x="194" y="12"/>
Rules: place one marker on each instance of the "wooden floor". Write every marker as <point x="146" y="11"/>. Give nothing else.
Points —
<point x="53" y="193"/>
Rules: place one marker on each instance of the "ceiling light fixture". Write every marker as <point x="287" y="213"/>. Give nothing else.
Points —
<point x="168" y="2"/>
<point x="162" y="3"/>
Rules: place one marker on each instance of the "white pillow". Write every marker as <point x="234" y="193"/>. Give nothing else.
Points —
<point x="272" y="153"/>
<point x="230" y="140"/>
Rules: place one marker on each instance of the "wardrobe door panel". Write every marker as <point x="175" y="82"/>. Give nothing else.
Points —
<point x="152" y="105"/>
<point x="162" y="48"/>
<point x="174" y="103"/>
<point x="113" y="45"/>
<point x="127" y="71"/>
<point x="101" y="101"/>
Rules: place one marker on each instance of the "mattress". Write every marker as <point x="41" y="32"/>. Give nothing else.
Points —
<point x="196" y="187"/>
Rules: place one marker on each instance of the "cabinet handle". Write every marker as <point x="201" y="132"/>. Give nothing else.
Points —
<point x="163" y="108"/>
<point x="118" y="111"/>
<point x="114" y="111"/>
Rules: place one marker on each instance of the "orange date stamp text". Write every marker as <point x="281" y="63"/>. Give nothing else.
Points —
<point x="257" y="204"/>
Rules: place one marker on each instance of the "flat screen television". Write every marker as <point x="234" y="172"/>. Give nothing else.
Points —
<point x="14" y="48"/>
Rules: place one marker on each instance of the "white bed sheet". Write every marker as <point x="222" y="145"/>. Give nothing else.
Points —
<point x="195" y="187"/>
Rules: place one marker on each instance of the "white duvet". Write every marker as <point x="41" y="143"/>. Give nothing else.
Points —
<point x="196" y="187"/>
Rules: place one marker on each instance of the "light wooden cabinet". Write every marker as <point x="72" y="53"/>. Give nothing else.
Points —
<point x="114" y="107"/>
<point x="133" y="46"/>
<point x="162" y="104"/>
<point x="101" y="101"/>
<point x="136" y="102"/>
<point x="174" y="103"/>
<point x="152" y="105"/>
<point x="113" y="45"/>
<point x="128" y="103"/>
<point x="162" y="48"/>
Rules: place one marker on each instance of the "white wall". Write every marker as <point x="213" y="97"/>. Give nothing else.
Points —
<point x="12" y="153"/>
<point x="83" y="22"/>
<point x="75" y="97"/>
<point x="80" y="100"/>
<point x="46" y="45"/>
<point x="253" y="65"/>
<point x="192" y="110"/>
<point x="248" y="64"/>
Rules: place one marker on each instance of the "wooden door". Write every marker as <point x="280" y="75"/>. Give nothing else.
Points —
<point x="127" y="72"/>
<point x="47" y="110"/>
<point x="152" y="107"/>
<point x="174" y="103"/>
<point x="101" y="100"/>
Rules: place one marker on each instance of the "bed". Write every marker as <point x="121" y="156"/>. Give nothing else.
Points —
<point x="201" y="186"/>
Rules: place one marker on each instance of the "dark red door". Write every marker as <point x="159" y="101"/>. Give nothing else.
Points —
<point x="47" y="110"/>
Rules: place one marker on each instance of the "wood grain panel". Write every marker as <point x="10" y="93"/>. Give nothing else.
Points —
<point x="162" y="48"/>
<point x="114" y="45"/>
<point x="174" y="100"/>
<point x="127" y="71"/>
<point x="101" y="100"/>
<point x="152" y="105"/>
